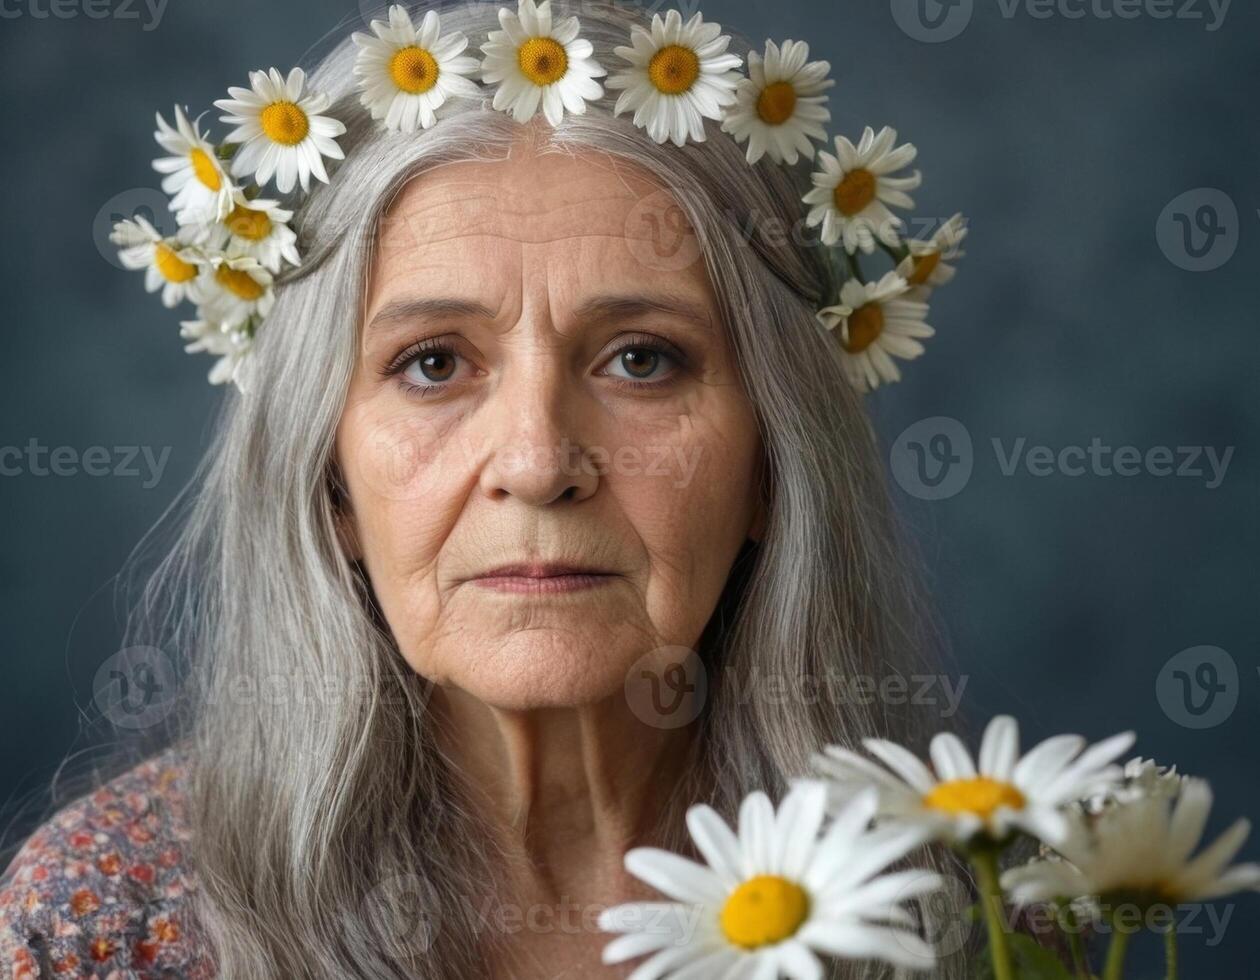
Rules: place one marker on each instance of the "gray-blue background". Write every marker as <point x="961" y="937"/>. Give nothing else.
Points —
<point x="1063" y="138"/>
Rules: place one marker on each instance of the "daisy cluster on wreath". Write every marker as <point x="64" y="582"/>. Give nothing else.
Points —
<point x="233" y="241"/>
<point x="784" y="890"/>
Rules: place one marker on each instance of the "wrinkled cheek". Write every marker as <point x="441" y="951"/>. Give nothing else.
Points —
<point x="396" y="458"/>
<point x="692" y="460"/>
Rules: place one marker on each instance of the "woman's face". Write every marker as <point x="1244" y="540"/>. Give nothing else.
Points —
<point x="534" y="389"/>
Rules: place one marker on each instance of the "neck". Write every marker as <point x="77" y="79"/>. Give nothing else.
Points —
<point x="565" y="791"/>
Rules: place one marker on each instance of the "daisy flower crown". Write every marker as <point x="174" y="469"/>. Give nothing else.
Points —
<point x="233" y="239"/>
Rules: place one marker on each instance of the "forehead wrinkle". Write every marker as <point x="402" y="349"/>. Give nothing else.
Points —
<point x="469" y="206"/>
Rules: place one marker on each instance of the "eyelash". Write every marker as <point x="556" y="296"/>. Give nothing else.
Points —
<point x="403" y="360"/>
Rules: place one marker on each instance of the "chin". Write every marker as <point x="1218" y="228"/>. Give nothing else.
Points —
<point x="541" y="668"/>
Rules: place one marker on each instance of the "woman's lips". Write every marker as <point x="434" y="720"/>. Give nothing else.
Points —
<point x="541" y="579"/>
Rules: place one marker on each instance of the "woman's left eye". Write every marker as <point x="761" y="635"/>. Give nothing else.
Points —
<point x="643" y="364"/>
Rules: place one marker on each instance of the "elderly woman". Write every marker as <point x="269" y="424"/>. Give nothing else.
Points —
<point x="548" y="508"/>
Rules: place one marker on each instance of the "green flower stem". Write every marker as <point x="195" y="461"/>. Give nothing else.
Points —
<point x="1080" y="961"/>
<point x="1114" y="970"/>
<point x="985" y="862"/>
<point x="896" y="254"/>
<point x="854" y="268"/>
<point x="1170" y="954"/>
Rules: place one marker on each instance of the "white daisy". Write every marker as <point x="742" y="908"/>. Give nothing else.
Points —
<point x="201" y="191"/>
<point x="230" y="345"/>
<point x="533" y="62"/>
<point x="1003" y="794"/>
<point x="773" y="894"/>
<point x="925" y="267"/>
<point x="405" y="74"/>
<point x="854" y="189"/>
<point x="780" y="106"/>
<point x="680" y="75"/>
<point x="233" y="290"/>
<point x="877" y="321"/>
<point x="1140" y="850"/>
<point x="1142" y="778"/>
<point x="171" y="264"/>
<point x="258" y="229"/>
<point x="282" y="132"/>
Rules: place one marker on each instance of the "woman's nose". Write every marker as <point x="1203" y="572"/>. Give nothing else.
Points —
<point x="535" y="452"/>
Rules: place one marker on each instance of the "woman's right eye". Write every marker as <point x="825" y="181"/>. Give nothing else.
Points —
<point x="431" y="367"/>
<point x="428" y="366"/>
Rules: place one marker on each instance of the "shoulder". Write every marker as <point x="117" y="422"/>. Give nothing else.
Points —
<point x="102" y="889"/>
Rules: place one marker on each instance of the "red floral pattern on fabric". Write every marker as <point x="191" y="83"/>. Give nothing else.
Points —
<point x="101" y="892"/>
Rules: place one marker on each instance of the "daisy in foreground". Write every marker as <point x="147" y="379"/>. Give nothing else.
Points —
<point x="282" y="131"/>
<point x="1140" y="848"/>
<point x="680" y="75"/>
<point x="877" y="321"/>
<point x="780" y="105"/>
<point x="774" y="894"/>
<point x="405" y="74"/>
<point x="533" y="62"/>
<point x="201" y="191"/>
<point x="855" y="188"/>
<point x="1004" y="793"/>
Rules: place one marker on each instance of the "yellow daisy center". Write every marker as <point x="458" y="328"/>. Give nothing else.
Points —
<point x="204" y="169"/>
<point x="542" y="60"/>
<point x="924" y="266"/>
<point x="413" y="69"/>
<point x="776" y="103"/>
<point x="284" y="122"/>
<point x="674" y="69"/>
<point x="248" y="223"/>
<point x="170" y="265"/>
<point x="979" y="795"/>
<point x="866" y="323"/>
<point x="855" y="192"/>
<point x="239" y="282"/>
<point x="764" y="910"/>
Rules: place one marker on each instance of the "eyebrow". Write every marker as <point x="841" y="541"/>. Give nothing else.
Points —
<point x="637" y="304"/>
<point x="612" y="305"/>
<point x="429" y="308"/>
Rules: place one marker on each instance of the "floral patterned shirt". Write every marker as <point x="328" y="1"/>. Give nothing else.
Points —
<point x="101" y="891"/>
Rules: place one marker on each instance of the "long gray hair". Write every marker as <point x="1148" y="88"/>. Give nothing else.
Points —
<point x="321" y="804"/>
